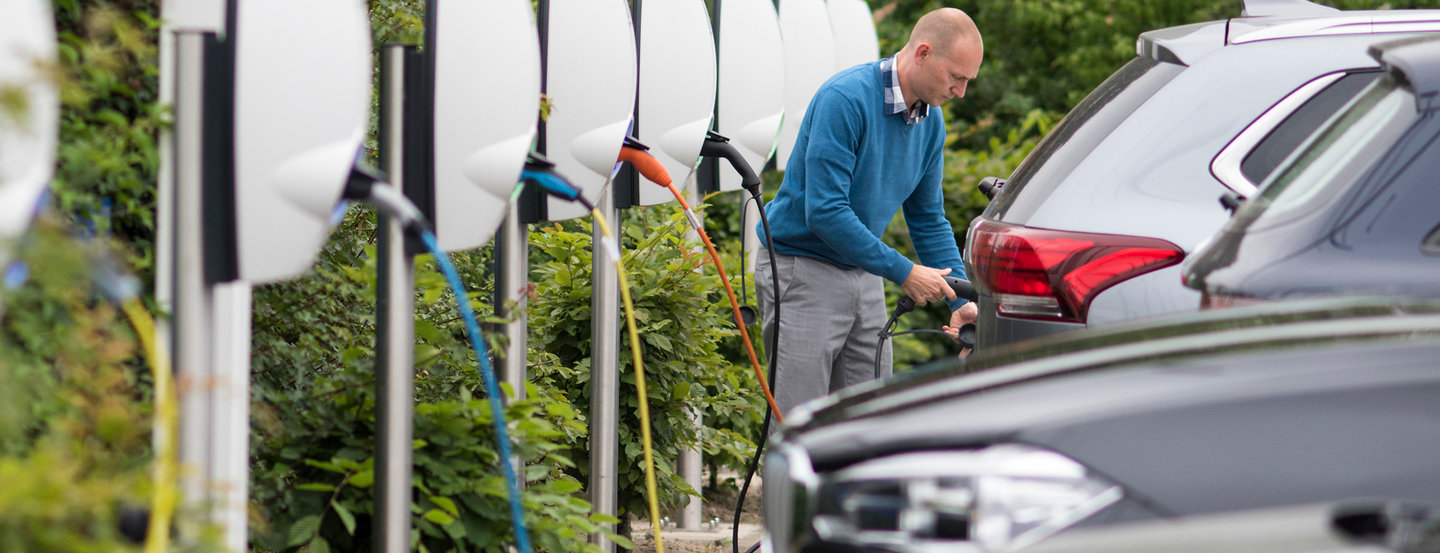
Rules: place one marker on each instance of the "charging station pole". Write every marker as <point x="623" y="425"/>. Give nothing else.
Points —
<point x="190" y="295"/>
<point x="395" y="336"/>
<point x="604" y="374"/>
<point x="512" y="281"/>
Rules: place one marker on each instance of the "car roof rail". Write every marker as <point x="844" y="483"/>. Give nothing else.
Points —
<point x="1284" y="8"/>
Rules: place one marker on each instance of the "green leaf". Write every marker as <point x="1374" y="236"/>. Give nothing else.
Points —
<point x="445" y="503"/>
<point x="438" y="517"/>
<point x="363" y="479"/>
<point x="318" y="545"/>
<point x="346" y="517"/>
<point x="316" y="487"/>
<point x="303" y="530"/>
<point x="622" y="541"/>
<point x="681" y="390"/>
<point x="566" y="485"/>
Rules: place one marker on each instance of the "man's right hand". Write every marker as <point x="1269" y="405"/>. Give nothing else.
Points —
<point x="926" y="284"/>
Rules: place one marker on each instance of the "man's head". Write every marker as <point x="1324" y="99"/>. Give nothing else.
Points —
<point x="941" y="58"/>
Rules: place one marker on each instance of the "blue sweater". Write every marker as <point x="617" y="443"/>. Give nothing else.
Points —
<point x="852" y="168"/>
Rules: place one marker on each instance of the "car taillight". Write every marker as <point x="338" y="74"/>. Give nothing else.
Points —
<point x="1052" y="275"/>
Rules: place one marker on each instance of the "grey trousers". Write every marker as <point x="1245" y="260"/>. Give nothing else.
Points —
<point x="829" y="319"/>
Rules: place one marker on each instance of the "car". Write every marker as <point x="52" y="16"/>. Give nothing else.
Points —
<point x="1215" y="411"/>
<point x="1091" y="227"/>
<point x="1362" y="525"/>
<point x="1354" y="211"/>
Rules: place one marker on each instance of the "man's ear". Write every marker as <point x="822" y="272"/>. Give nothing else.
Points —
<point x="922" y="51"/>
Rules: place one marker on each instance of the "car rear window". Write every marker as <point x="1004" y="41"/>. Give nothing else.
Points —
<point x="1288" y="135"/>
<point x="1337" y="155"/>
<point x="1082" y="130"/>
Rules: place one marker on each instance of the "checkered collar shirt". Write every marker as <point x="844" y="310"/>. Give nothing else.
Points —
<point x="894" y="100"/>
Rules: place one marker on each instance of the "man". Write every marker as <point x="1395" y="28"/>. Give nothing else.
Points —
<point x="870" y="145"/>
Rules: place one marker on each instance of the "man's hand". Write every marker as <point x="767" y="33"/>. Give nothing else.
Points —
<point x="926" y="284"/>
<point x="965" y="314"/>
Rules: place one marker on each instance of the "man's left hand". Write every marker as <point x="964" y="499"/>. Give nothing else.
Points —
<point x="965" y="314"/>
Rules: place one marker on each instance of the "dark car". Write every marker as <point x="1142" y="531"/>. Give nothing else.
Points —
<point x="1362" y="525"/>
<point x="1090" y="228"/>
<point x="1215" y="411"/>
<point x="1355" y="211"/>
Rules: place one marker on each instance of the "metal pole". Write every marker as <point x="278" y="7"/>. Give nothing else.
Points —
<point x="231" y="307"/>
<point x="691" y="462"/>
<point x="604" y="376"/>
<point x="395" y="336"/>
<point x="511" y="287"/>
<point x="192" y="311"/>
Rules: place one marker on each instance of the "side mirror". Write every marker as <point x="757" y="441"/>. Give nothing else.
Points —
<point x="30" y="126"/>
<point x="302" y="105"/>
<point x="590" y="78"/>
<point x="677" y="88"/>
<point x="750" y="83"/>
<point x="854" y="29"/>
<point x="487" y="102"/>
<point x="805" y="24"/>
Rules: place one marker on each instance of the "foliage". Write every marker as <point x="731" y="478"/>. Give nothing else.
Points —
<point x="110" y="117"/>
<point x="74" y="404"/>
<point x="678" y="309"/>
<point x="315" y="417"/>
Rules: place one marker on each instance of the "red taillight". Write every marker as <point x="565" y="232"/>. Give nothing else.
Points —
<point x="1052" y="275"/>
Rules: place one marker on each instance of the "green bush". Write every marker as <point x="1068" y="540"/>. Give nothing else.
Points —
<point x="682" y="317"/>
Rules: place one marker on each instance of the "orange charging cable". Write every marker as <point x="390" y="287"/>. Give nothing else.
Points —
<point x="651" y="169"/>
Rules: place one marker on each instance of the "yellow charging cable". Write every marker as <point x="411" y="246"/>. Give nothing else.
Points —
<point x="613" y="249"/>
<point x="162" y="500"/>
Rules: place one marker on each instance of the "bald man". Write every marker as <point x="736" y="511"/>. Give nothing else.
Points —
<point x="869" y="146"/>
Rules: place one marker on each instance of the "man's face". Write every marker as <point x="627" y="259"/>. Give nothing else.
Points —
<point x="944" y="73"/>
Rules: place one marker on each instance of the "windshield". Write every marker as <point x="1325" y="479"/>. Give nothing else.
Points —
<point x="1345" y="147"/>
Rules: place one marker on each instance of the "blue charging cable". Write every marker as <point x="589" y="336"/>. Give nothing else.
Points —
<point x="492" y="390"/>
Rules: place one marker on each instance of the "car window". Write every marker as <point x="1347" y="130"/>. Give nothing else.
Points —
<point x="1301" y="123"/>
<point x="1083" y="129"/>
<point x="1339" y="153"/>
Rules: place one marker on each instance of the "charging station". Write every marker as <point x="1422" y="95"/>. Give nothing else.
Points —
<point x="590" y="79"/>
<point x="456" y="124"/>
<point x="676" y="98"/>
<point x="853" y="27"/>
<point x="266" y="133"/>
<point x="809" y="60"/>
<point x="28" y="134"/>
<point x="750" y="93"/>
<point x="674" y="110"/>
<point x="590" y="71"/>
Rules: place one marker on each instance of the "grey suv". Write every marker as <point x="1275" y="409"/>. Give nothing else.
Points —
<point x="1091" y="227"/>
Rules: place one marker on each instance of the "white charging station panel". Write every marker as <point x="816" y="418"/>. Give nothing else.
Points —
<point x="677" y="88"/>
<point x="751" y="83"/>
<point x="590" y="81"/>
<point x="27" y="135"/>
<point x="487" y="102"/>
<point x="854" y="28"/>
<point x="302" y="104"/>
<point x="805" y="26"/>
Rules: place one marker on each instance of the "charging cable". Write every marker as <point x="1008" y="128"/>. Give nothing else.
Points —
<point x="541" y="172"/>
<point x="370" y="186"/>
<point x="634" y="153"/>
<point x="963" y="290"/>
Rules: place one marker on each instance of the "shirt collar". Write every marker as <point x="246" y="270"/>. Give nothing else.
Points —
<point x="895" y="100"/>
